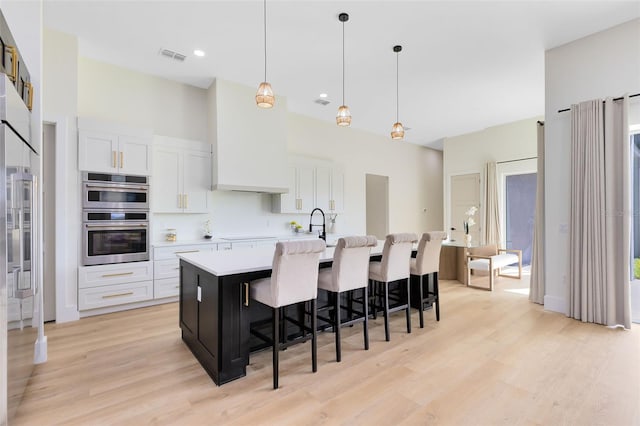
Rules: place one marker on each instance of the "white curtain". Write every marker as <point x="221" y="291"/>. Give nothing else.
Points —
<point x="491" y="212"/>
<point x="536" y="283"/>
<point x="600" y="237"/>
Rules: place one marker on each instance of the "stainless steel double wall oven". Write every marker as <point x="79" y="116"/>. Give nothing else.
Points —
<point x="115" y="218"/>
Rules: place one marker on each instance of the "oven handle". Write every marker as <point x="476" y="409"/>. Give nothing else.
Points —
<point x="117" y="188"/>
<point x="116" y="226"/>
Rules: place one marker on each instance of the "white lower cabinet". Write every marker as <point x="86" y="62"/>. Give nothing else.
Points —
<point x="166" y="267"/>
<point x="110" y="285"/>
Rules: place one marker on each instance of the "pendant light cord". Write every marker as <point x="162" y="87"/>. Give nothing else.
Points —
<point x="265" y="39"/>
<point x="343" y="67"/>
<point x="397" y="89"/>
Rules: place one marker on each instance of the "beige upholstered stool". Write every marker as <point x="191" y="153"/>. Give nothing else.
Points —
<point x="350" y="271"/>
<point x="394" y="266"/>
<point x="427" y="263"/>
<point x="294" y="279"/>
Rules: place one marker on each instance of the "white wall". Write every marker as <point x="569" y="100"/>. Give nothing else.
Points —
<point x="60" y="106"/>
<point x="600" y="65"/>
<point x="117" y="94"/>
<point x="469" y="153"/>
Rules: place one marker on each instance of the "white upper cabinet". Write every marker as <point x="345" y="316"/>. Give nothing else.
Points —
<point x="312" y="183"/>
<point x="105" y="147"/>
<point x="181" y="180"/>
<point x="249" y="143"/>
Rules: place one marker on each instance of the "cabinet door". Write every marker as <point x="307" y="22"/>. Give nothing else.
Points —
<point x="306" y="185"/>
<point x="323" y="188"/>
<point x="189" y="298"/>
<point x="197" y="181"/>
<point x="134" y="156"/>
<point x="288" y="203"/>
<point x="337" y="191"/>
<point x="167" y="182"/>
<point x="97" y="151"/>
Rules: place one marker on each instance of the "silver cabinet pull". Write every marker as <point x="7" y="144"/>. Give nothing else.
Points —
<point x="109" y="296"/>
<point x="122" y="274"/>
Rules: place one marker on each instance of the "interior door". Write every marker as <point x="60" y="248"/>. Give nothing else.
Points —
<point x="465" y="193"/>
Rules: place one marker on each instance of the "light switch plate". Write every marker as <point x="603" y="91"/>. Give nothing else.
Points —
<point x="199" y="297"/>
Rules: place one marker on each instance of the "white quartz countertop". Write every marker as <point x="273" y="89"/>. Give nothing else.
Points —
<point x="331" y="238"/>
<point x="221" y="263"/>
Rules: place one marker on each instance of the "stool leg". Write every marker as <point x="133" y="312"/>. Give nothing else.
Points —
<point x="386" y="312"/>
<point x="314" y="335"/>
<point x="337" y="328"/>
<point x="421" y="307"/>
<point x="276" y="345"/>
<point x="436" y="292"/>
<point x="365" y="324"/>
<point x="373" y="299"/>
<point x="409" y="305"/>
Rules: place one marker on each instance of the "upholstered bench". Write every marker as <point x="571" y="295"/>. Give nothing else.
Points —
<point x="491" y="259"/>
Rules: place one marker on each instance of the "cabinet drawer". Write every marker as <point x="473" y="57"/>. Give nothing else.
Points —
<point x="162" y="253"/>
<point x="166" y="287"/>
<point x="118" y="294"/>
<point x="101" y="275"/>
<point x="169" y="268"/>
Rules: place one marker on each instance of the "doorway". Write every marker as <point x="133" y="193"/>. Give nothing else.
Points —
<point x="377" y="204"/>
<point x="465" y="193"/>
<point x="49" y="220"/>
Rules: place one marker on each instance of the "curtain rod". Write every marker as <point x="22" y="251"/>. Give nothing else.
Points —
<point x="615" y="99"/>
<point x="519" y="159"/>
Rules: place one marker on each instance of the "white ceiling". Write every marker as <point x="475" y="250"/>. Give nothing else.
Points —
<point x="465" y="65"/>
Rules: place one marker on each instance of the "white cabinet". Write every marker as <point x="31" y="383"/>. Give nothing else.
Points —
<point x="166" y="267"/>
<point x="312" y="183"/>
<point x="109" y="285"/>
<point x="110" y="148"/>
<point x="330" y="189"/>
<point x="300" y="198"/>
<point x="181" y="176"/>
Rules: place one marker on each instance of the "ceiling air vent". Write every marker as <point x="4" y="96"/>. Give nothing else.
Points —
<point x="322" y="102"/>
<point x="173" y="55"/>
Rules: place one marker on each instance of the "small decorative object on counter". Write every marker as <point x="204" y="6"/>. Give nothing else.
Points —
<point x="207" y="230"/>
<point x="172" y="235"/>
<point x="332" y="223"/>
<point x="293" y="224"/>
<point x="468" y="223"/>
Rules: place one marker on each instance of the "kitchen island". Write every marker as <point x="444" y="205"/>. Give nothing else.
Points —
<point x="215" y="307"/>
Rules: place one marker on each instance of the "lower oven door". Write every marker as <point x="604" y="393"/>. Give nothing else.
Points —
<point x="115" y="243"/>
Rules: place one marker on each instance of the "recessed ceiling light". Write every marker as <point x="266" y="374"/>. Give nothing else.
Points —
<point x="198" y="52"/>
<point x="323" y="95"/>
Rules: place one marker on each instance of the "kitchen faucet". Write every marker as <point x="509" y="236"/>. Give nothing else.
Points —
<point x="311" y="225"/>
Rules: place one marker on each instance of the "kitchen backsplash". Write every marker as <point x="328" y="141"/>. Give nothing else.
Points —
<point x="234" y="213"/>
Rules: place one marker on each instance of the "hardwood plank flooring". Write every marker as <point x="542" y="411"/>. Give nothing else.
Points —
<point x="494" y="358"/>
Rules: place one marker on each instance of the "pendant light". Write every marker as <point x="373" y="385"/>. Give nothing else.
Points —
<point x="264" y="96"/>
<point x="343" y="118"/>
<point x="397" y="131"/>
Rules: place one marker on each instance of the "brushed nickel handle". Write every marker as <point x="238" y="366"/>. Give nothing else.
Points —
<point x="121" y="159"/>
<point x="114" y="160"/>
<point x="186" y="251"/>
<point x="186" y="201"/>
<point x="246" y="294"/>
<point x="109" y="296"/>
<point x="122" y="274"/>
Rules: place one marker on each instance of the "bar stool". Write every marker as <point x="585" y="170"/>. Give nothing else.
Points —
<point x="350" y="271"/>
<point x="294" y="279"/>
<point x="427" y="263"/>
<point x="394" y="266"/>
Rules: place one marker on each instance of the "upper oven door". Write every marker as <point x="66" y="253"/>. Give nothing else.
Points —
<point x="115" y="196"/>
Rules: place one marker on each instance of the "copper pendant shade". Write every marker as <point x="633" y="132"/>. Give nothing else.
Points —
<point x="343" y="118"/>
<point x="397" y="131"/>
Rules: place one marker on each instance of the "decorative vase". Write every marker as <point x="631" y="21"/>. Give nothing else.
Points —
<point x="467" y="239"/>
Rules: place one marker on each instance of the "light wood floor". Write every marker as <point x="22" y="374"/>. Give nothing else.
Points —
<point x="494" y="358"/>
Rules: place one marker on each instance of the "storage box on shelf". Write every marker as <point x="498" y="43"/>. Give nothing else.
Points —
<point x="166" y="267"/>
<point x="182" y="178"/>
<point x="109" y="285"/>
<point x="312" y="183"/>
<point x="106" y="147"/>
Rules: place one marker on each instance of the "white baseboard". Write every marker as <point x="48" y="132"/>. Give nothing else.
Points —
<point x="555" y="304"/>
<point x="40" y="350"/>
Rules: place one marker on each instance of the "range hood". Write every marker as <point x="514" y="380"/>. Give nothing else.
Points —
<point x="249" y="143"/>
